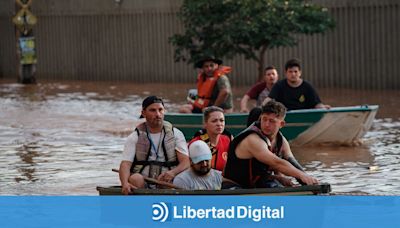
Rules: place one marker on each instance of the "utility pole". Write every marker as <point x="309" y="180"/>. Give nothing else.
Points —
<point x="24" y="21"/>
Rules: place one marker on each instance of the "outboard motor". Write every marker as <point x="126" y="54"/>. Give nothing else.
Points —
<point x="192" y="95"/>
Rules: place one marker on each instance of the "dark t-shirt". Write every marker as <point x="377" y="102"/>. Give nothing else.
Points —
<point x="301" y="97"/>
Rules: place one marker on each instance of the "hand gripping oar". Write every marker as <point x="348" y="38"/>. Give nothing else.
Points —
<point x="155" y="181"/>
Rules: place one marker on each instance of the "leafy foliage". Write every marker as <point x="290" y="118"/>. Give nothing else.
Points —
<point x="225" y="28"/>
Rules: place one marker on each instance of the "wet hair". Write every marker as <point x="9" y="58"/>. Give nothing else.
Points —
<point x="209" y="110"/>
<point x="270" y="68"/>
<point x="293" y="63"/>
<point x="274" y="107"/>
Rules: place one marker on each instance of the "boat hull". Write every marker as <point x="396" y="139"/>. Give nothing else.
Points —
<point x="343" y="125"/>
<point x="300" y="190"/>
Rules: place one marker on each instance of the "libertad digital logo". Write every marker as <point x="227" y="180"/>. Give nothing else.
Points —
<point x="165" y="212"/>
<point x="160" y="211"/>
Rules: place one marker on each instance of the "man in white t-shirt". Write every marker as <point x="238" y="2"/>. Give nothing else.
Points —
<point x="155" y="149"/>
<point x="200" y="176"/>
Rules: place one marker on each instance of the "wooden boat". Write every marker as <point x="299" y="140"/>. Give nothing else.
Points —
<point x="300" y="190"/>
<point x="339" y="125"/>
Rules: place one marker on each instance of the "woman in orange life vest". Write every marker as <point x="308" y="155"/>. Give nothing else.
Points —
<point x="213" y="87"/>
<point x="215" y="136"/>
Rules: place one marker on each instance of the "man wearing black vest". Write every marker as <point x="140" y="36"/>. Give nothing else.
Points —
<point x="259" y="155"/>
<point x="155" y="149"/>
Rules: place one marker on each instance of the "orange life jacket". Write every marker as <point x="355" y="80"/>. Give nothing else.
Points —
<point x="205" y="86"/>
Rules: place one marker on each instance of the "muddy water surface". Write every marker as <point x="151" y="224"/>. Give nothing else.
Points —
<point x="63" y="138"/>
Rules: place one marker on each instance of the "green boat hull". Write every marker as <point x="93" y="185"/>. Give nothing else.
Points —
<point x="298" y="122"/>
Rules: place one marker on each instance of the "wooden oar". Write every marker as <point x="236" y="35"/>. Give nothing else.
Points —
<point x="155" y="181"/>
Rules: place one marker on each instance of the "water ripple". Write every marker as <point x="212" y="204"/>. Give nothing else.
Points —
<point x="64" y="139"/>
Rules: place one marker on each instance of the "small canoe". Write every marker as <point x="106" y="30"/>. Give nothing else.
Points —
<point x="341" y="125"/>
<point x="299" y="190"/>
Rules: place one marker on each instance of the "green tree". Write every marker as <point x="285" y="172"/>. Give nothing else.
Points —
<point x="226" y="28"/>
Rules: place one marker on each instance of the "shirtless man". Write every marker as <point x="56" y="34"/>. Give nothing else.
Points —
<point x="255" y="153"/>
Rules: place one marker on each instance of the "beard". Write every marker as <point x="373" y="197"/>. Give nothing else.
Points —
<point x="202" y="171"/>
<point x="155" y="123"/>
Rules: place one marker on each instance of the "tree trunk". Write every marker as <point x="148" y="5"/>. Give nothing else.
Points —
<point x="261" y="63"/>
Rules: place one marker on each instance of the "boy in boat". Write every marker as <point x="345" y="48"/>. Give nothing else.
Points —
<point x="256" y="152"/>
<point x="200" y="176"/>
<point x="155" y="149"/>
<point x="260" y="90"/>
<point x="294" y="92"/>
<point x="215" y="136"/>
<point x="213" y="87"/>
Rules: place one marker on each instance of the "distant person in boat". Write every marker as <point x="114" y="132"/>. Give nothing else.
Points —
<point x="215" y="135"/>
<point x="200" y="176"/>
<point x="254" y="155"/>
<point x="213" y="87"/>
<point x="260" y="90"/>
<point x="294" y="92"/>
<point x="155" y="149"/>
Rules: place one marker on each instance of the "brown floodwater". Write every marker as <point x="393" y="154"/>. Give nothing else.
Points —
<point x="64" y="137"/>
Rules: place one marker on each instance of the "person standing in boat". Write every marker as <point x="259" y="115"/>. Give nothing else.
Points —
<point x="155" y="149"/>
<point x="260" y="90"/>
<point x="256" y="152"/>
<point x="294" y="92"/>
<point x="215" y="135"/>
<point x="213" y="87"/>
<point x="200" y="175"/>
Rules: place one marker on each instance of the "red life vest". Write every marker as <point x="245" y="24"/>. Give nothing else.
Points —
<point x="205" y="86"/>
<point x="219" y="152"/>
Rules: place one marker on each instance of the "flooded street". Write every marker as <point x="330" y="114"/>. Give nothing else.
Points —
<point x="63" y="138"/>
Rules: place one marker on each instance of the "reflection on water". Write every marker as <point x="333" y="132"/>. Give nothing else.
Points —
<point x="63" y="138"/>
